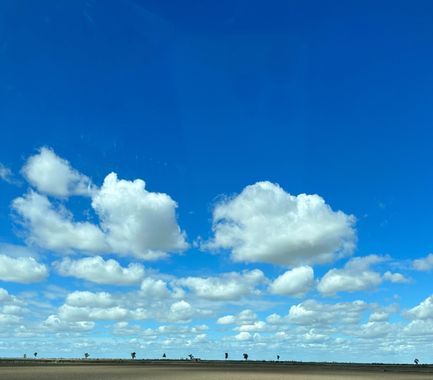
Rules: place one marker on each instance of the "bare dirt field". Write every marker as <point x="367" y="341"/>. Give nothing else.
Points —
<point x="205" y="370"/>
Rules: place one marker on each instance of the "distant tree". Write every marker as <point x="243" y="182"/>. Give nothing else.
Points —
<point x="226" y="355"/>
<point x="278" y="357"/>
<point x="164" y="355"/>
<point x="35" y="355"/>
<point x="133" y="355"/>
<point x="416" y="361"/>
<point x="86" y="355"/>
<point x="246" y="356"/>
<point x="191" y="356"/>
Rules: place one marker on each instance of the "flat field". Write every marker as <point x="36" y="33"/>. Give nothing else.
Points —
<point x="210" y="370"/>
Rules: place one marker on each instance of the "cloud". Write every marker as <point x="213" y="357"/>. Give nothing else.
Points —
<point x="226" y="320"/>
<point x="424" y="264"/>
<point x="181" y="311"/>
<point x="355" y="276"/>
<point x="137" y="221"/>
<point x="53" y="228"/>
<point x="423" y="311"/>
<point x="11" y="309"/>
<point x="253" y="327"/>
<point x="243" y="336"/>
<point x="396" y="278"/>
<point x="100" y="271"/>
<point x="53" y="175"/>
<point x="245" y="317"/>
<point x="88" y="306"/>
<point x="313" y="313"/>
<point x="70" y="313"/>
<point x="21" y="269"/>
<point x="295" y="282"/>
<point x="226" y="287"/>
<point x="265" y="224"/>
<point x="6" y="174"/>
<point x="54" y="324"/>
<point x="132" y="222"/>
<point x="379" y="316"/>
<point x="85" y="298"/>
<point x="154" y="288"/>
<point x="373" y="329"/>
<point x="419" y="328"/>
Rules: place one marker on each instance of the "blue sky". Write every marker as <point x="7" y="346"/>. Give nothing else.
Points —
<point x="286" y="156"/>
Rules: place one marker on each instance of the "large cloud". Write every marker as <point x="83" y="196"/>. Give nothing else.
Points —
<point x="265" y="224"/>
<point x="100" y="271"/>
<point x="132" y="220"/>
<point x="54" y="229"/>
<point x="137" y="221"/>
<point x="227" y="287"/>
<point x="21" y="269"/>
<point x="295" y="282"/>
<point x="53" y="175"/>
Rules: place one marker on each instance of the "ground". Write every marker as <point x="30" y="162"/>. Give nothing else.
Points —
<point x="209" y="370"/>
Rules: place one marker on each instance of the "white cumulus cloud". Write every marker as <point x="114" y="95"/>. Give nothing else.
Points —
<point x="355" y="276"/>
<point x="100" y="271"/>
<point x="226" y="287"/>
<point x="21" y="269"/>
<point x="266" y="224"/>
<point x="11" y="309"/>
<point x="53" y="175"/>
<point x="132" y="220"/>
<point x="245" y="317"/>
<point x="295" y="282"/>
<point x="86" y="298"/>
<point x="55" y="323"/>
<point x="181" y="311"/>
<point x="137" y="221"/>
<point x="424" y="264"/>
<point x="313" y="313"/>
<point x="395" y="277"/>
<point x="154" y="288"/>
<point x="53" y="228"/>
<point x="423" y="311"/>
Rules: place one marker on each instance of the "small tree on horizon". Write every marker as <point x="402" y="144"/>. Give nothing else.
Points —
<point x="246" y="356"/>
<point x="191" y="356"/>
<point x="133" y="355"/>
<point x="86" y="355"/>
<point x="278" y="357"/>
<point x="226" y="355"/>
<point x="164" y="355"/>
<point x="416" y="361"/>
<point x="35" y="355"/>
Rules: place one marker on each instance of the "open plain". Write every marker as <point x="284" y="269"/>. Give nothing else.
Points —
<point x="209" y="370"/>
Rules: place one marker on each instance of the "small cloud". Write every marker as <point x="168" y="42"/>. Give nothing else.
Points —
<point x="424" y="264"/>
<point x="397" y="278"/>
<point x="295" y="282"/>
<point x="355" y="276"/>
<point x="7" y="175"/>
